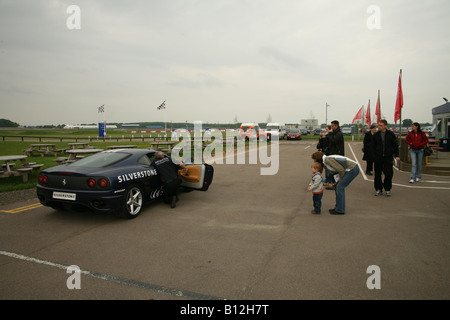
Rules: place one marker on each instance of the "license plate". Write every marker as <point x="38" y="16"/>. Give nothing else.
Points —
<point x="64" y="196"/>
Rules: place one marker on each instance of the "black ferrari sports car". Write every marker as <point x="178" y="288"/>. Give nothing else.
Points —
<point x="118" y="181"/>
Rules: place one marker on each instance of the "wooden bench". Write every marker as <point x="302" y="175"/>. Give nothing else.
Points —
<point x="36" y="167"/>
<point x="29" y="152"/>
<point x="11" y="165"/>
<point x="32" y="165"/>
<point x="61" y="160"/>
<point x="24" y="172"/>
<point x="65" y="160"/>
<point x="56" y="151"/>
<point x="35" y="149"/>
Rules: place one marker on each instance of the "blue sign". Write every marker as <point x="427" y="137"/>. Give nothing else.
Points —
<point x="102" y="129"/>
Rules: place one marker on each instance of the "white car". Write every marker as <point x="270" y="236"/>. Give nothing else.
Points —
<point x="346" y="130"/>
<point x="275" y="128"/>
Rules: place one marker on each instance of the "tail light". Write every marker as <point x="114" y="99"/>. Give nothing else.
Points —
<point x="91" y="183"/>
<point x="103" y="183"/>
<point x="43" y="179"/>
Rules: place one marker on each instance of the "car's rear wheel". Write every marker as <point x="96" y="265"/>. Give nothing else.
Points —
<point x="132" y="202"/>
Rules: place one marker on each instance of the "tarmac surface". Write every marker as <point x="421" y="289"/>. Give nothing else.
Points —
<point x="249" y="237"/>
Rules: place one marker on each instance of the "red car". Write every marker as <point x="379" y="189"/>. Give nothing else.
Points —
<point x="294" y="134"/>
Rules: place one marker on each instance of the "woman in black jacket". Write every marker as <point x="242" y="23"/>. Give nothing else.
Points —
<point x="323" y="141"/>
<point x="367" y="149"/>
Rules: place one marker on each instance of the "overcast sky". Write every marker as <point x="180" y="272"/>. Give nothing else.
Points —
<point x="217" y="60"/>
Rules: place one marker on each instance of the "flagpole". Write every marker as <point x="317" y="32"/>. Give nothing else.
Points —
<point x="401" y="107"/>
<point x="368" y="112"/>
<point x="363" y="119"/>
<point x="379" y="109"/>
<point x="379" y="105"/>
<point x="163" y="106"/>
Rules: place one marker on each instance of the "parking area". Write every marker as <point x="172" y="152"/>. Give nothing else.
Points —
<point x="249" y="237"/>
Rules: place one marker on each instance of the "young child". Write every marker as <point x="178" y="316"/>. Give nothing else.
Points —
<point x="316" y="186"/>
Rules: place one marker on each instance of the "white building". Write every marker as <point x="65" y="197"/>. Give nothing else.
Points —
<point x="309" y="124"/>
<point x="441" y="121"/>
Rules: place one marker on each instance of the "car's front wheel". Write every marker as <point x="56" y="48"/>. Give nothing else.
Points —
<point x="133" y="201"/>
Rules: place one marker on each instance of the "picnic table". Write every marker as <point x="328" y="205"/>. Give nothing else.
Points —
<point x="42" y="149"/>
<point x="9" y="169"/>
<point x="156" y="145"/>
<point x="122" y="147"/>
<point x="73" y="153"/>
<point x="76" y="154"/>
<point x="74" y="145"/>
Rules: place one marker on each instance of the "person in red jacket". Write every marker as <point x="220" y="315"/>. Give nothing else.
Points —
<point x="416" y="140"/>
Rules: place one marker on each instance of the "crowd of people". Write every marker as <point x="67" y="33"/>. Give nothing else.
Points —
<point x="380" y="150"/>
<point x="340" y="171"/>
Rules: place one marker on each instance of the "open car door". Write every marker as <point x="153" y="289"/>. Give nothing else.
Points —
<point x="198" y="176"/>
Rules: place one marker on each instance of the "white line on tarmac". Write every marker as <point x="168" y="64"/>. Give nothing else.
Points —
<point x="394" y="184"/>
<point x="435" y="181"/>
<point x="128" y="282"/>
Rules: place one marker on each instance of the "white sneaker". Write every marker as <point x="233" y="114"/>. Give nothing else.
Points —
<point x="378" y="193"/>
<point x="411" y="181"/>
<point x="417" y="179"/>
<point x="388" y="193"/>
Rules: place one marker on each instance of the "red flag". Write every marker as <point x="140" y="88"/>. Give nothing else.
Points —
<point x="358" y="115"/>
<point x="368" y="117"/>
<point x="399" y="102"/>
<point x="378" y="109"/>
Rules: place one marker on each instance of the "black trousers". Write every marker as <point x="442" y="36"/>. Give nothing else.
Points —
<point x="369" y="167"/>
<point x="170" y="189"/>
<point x="383" y="165"/>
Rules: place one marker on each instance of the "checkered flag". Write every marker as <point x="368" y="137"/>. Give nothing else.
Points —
<point x="101" y="109"/>
<point x="162" y="106"/>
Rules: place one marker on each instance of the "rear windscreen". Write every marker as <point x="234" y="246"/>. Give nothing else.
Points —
<point x="100" y="160"/>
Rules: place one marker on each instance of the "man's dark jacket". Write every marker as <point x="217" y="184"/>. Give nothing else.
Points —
<point x="336" y="142"/>
<point x="391" y="146"/>
<point x="166" y="169"/>
<point x="368" y="146"/>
